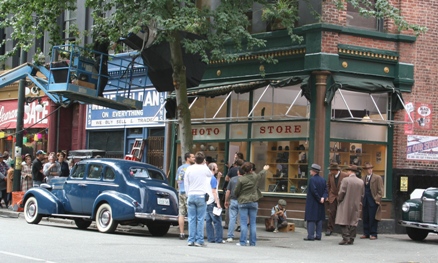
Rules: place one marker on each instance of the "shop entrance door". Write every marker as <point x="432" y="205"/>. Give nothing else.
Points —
<point x="155" y="151"/>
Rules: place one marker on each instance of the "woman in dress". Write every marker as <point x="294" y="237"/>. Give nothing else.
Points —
<point x="26" y="173"/>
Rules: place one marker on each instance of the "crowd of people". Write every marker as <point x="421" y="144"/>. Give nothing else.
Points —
<point x="198" y="183"/>
<point x="34" y="172"/>
<point x="342" y="195"/>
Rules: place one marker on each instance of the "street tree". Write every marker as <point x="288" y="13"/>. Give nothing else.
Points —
<point x="219" y="22"/>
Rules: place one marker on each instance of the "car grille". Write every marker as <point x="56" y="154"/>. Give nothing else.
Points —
<point x="429" y="210"/>
<point x="414" y="216"/>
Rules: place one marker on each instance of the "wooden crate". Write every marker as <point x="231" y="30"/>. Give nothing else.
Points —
<point x="290" y="228"/>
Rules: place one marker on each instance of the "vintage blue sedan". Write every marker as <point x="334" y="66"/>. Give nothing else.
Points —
<point x="110" y="192"/>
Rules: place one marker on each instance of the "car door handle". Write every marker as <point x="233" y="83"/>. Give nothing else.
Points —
<point x="82" y="185"/>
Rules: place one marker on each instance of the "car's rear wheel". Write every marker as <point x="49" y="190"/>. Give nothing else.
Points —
<point x="416" y="233"/>
<point x="158" y="229"/>
<point x="104" y="219"/>
<point x="82" y="224"/>
<point x="31" y="211"/>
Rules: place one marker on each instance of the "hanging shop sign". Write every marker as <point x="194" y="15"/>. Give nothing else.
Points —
<point x="271" y="130"/>
<point x="423" y="116"/>
<point x="99" y="117"/>
<point x="209" y="132"/>
<point x="410" y="111"/>
<point x="34" y="118"/>
<point x="422" y="148"/>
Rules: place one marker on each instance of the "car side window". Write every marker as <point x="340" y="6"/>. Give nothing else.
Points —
<point x="94" y="171"/>
<point x="78" y="171"/>
<point x="156" y="175"/>
<point x="109" y="174"/>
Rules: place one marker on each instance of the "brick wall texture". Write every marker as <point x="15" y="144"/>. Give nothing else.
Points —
<point x="423" y="54"/>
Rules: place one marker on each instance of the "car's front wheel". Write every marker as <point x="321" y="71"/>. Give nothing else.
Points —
<point x="82" y="224"/>
<point x="416" y="233"/>
<point x="104" y="219"/>
<point x="31" y="211"/>
<point x="158" y="229"/>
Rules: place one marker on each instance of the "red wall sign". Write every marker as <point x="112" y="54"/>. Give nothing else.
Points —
<point x="8" y="115"/>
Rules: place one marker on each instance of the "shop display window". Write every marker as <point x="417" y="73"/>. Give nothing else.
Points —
<point x="351" y="153"/>
<point x="288" y="165"/>
<point x="214" y="151"/>
<point x="279" y="103"/>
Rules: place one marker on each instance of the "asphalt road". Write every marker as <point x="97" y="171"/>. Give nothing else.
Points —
<point x="60" y="242"/>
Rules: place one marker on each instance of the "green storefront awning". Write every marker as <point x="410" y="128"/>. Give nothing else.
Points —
<point x="244" y="86"/>
<point x="365" y="85"/>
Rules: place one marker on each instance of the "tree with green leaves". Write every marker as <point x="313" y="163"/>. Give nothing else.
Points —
<point x="219" y="22"/>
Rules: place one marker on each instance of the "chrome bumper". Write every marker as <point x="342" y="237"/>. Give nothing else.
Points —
<point x="425" y="226"/>
<point x="155" y="216"/>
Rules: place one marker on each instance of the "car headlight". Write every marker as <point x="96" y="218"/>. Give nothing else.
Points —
<point x="405" y="207"/>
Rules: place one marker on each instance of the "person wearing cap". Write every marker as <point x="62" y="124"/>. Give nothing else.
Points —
<point x="371" y="211"/>
<point x="3" y="177"/>
<point x="315" y="210"/>
<point x="51" y="169"/>
<point x="7" y="158"/>
<point x="37" y="168"/>
<point x="335" y="178"/>
<point x="278" y="214"/>
<point x="350" y="196"/>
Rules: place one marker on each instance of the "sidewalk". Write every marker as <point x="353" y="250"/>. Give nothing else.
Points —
<point x="262" y="235"/>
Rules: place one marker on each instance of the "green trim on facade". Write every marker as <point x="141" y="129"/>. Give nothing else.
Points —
<point x="404" y="77"/>
<point x="355" y="32"/>
<point x="321" y="61"/>
<point x="368" y="53"/>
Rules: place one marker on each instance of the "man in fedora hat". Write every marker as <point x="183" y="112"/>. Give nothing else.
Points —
<point x="350" y="196"/>
<point x="316" y="196"/>
<point x="335" y="178"/>
<point x="371" y="211"/>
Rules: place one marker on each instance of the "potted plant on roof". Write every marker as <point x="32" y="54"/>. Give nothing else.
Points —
<point x="281" y="14"/>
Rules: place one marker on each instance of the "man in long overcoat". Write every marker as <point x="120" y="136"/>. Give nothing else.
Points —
<point x="315" y="210"/>
<point x="350" y="196"/>
<point x="371" y="210"/>
<point x="333" y="184"/>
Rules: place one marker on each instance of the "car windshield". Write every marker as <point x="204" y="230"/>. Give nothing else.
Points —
<point x="143" y="173"/>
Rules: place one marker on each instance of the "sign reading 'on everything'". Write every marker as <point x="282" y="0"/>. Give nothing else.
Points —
<point x="99" y="117"/>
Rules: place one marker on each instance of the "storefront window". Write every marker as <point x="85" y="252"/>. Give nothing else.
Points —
<point x="209" y="108"/>
<point x="349" y="153"/>
<point x="279" y="103"/>
<point x="364" y="107"/>
<point x="288" y="164"/>
<point x="239" y="105"/>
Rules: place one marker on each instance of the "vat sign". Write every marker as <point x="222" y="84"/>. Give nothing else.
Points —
<point x="99" y="117"/>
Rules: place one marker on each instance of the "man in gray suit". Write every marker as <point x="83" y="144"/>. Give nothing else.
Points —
<point x="350" y="196"/>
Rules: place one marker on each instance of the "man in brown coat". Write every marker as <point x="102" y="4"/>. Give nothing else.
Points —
<point x="350" y="196"/>
<point x="333" y="183"/>
<point x="371" y="211"/>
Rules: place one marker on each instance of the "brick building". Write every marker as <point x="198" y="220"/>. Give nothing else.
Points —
<point x="342" y="94"/>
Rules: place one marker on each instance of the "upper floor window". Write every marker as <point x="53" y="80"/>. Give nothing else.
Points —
<point x="355" y="19"/>
<point x="70" y="17"/>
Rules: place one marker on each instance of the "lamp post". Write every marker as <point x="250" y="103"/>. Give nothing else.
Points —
<point x="19" y="128"/>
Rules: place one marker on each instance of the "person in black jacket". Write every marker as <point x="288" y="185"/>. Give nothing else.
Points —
<point x="65" y="170"/>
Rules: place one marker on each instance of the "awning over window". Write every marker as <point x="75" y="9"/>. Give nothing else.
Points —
<point x="365" y="85"/>
<point x="244" y="86"/>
